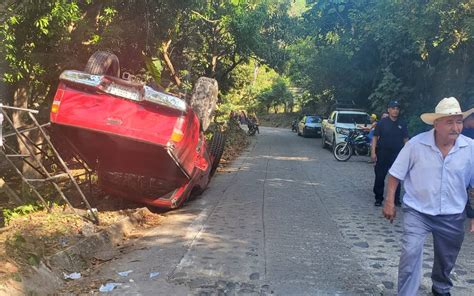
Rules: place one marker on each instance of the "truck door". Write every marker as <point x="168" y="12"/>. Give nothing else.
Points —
<point x="332" y="121"/>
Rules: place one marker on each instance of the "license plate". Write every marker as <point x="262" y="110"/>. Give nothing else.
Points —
<point x="123" y="91"/>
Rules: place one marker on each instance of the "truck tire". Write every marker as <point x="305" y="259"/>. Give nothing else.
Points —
<point x="216" y="149"/>
<point x="323" y="141"/>
<point x="103" y="63"/>
<point x="204" y="100"/>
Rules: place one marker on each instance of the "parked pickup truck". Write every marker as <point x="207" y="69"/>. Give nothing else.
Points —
<point x="340" y="122"/>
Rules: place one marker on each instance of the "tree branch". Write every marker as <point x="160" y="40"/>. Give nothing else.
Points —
<point x="232" y="67"/>
<point x="164" y="51"/>
<point x="205" y="18"/>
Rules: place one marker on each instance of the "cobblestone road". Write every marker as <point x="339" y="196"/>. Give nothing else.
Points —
<point x="286" y="218"/>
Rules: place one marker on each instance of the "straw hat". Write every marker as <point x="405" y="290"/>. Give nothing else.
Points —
<point x="446" y="107"/>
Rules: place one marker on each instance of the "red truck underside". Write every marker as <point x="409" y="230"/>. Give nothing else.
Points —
<point x="142" y="151"/>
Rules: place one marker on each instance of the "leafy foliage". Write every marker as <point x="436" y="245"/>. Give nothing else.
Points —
<point x="169" y="42"/>
<point x="365" y="51"/>
<point x="371" y="51"/>
<point x="10" y="214"/>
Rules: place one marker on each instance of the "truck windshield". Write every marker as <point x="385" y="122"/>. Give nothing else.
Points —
<point x="313" y="119"/>
<point x="352" y="118"/>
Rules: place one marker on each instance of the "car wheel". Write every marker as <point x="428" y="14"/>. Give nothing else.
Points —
<point x="204" y="100"/>
<point x="103" y="63"/>
<point x="333" y="143"/>
<point x="323" y="141"/>
<point x="216" y="149"/>
<point x="304" y="134"/>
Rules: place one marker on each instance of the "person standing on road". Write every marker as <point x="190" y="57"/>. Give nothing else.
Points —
<point x="243" y="118"/>
<point x="436" y="166"/>
<point x="369" y="128"/>
<point x="390" y="135"/>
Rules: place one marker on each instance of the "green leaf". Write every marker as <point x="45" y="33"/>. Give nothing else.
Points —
<point x="42" y="24"/>
<point x="155" y="68"/>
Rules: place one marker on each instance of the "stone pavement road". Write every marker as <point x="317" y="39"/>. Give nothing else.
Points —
<point x="286" y="218"/>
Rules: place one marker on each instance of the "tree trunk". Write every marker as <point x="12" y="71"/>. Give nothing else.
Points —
<point x="164" y="50"/>
<point x="213" y="66"/>
<point x="21" y="119"/>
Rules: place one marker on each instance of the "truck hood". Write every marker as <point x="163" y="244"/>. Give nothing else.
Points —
<point x="345" y="125"/>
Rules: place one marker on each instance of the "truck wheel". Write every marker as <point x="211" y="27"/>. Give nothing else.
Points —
<point x="333" y="144"/>
<point x="204" y="100"/>
<point x="323" y="141"/>
<point x="216" y="149"/>
<point x="103" y="63"/>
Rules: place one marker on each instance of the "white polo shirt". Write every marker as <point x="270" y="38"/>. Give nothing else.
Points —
<point x="433" y="185"/>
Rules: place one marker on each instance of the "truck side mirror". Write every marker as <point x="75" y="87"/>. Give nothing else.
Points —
<point x="330" y="121"/>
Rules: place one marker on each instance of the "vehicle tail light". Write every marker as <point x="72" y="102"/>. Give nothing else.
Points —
<point x="57" y="102"/>
<point x="55" y="106"/>
<point x="178" y="133"/>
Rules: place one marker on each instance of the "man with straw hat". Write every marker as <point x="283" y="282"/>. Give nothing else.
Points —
<point x="436" y="166"/>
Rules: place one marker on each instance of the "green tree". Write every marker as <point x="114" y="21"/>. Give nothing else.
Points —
<point x="371" y="51"/>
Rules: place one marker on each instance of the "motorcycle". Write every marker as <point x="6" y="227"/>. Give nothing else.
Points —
<point x="356" y="142"/>
<point x="253" y="128"/>
<point x="294" y="126"/>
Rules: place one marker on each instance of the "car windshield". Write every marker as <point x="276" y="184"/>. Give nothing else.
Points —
<point x="313" y="119"/>
<point x="352" y="118"/>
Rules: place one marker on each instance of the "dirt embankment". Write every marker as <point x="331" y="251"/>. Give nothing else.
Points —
<point x="31" y="242"/>
<point x="282" y="120"/>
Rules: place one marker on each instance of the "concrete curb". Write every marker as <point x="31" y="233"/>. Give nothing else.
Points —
<point x="77" y="258"/>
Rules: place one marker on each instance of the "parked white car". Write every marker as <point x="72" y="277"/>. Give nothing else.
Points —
<point x="310" y="125"/>
<point x="340" y="122"/>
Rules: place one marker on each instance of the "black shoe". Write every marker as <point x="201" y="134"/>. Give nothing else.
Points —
<point x="398" y="203"/>
<point x="438" y="293"/>
<point x="378" y="203"/>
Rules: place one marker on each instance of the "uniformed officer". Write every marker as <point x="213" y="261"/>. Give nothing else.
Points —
<point x="390" y="135"/>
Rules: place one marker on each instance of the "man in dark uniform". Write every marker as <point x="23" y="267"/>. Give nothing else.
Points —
<point x="390" y="136"/>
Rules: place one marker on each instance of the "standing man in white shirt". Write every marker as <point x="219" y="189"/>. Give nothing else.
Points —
<point x="436" y="166"/>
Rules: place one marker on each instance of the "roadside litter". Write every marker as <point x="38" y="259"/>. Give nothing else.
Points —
<point x="125" y="273"/>
<point x="108" y="287"/>
<point x="72" y="276"/>
<point x="154" y="274"/>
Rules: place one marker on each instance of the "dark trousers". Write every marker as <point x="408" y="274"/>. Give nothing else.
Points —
<point x="385" y="159"/>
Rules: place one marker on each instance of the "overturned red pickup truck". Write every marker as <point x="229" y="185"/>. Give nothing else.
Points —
<point x="144" y="144"/>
